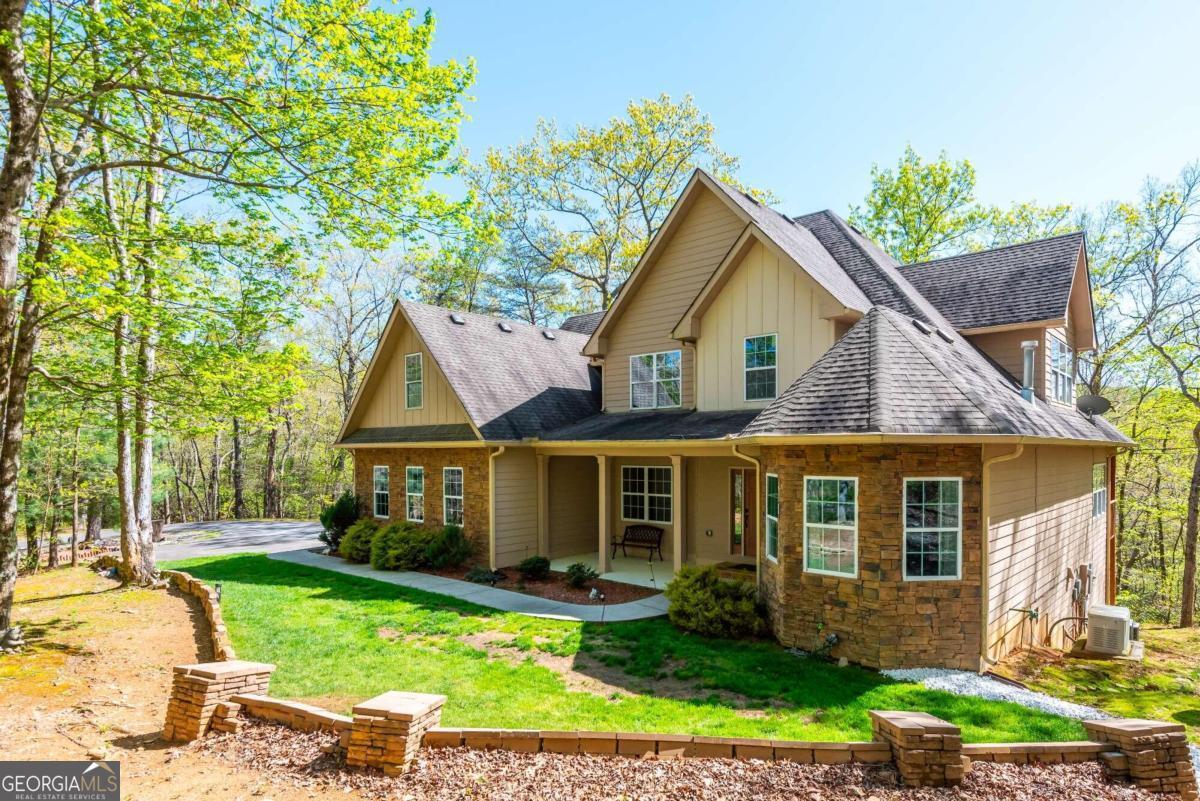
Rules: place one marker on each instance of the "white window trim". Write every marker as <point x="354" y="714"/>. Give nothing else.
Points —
<point x="747" y="370"/>
<point x="421" y="362"/>
<point x="375" y="492"/>
<point x="655" y="354"/>
<point x="410" y="519"/>
<point x="904" y="529"/>
<point x="1102" y="491"/>
<point x="462" y="483"/>
<point x="804" y="553"/>
<point x="1055" y="372"/>
<point x="767" y="517"/>
<point x="646" y="494"/>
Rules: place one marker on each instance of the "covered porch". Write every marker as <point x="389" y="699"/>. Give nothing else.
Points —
<point x="636" y="570"/>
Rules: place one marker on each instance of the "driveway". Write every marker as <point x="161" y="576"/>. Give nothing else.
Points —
<point x="186" y="540"/>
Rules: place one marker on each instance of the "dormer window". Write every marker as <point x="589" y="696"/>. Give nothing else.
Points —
<point x="1062" y="371"/>
<point x="654" y="380"/>
<point x="759" y="367"/>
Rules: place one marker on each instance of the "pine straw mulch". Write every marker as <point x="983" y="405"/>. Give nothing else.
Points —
<point x="459" y="773"/>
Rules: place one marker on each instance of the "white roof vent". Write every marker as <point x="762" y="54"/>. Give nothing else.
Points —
<point x="458" y="319"/>
<point x="548" y="334"/>
<point x="945" y="337"/>
<point x="922" y="326"/>
<point x="505" y="327"/>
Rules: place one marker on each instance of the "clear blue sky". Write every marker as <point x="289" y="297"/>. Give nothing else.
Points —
<point x="1052" y="101"/>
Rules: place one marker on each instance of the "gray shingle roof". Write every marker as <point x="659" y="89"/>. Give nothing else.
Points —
<point x="386" y="435"/>
<point x="583" y="323"/>
<point x="660" y="425"/>
<point x="513" y="385"/>
<point x="1023" y="283"/>
<point x="886" y="376"/>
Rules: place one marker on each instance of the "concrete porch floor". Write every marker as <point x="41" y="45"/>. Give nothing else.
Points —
<point x="634" y="570"/>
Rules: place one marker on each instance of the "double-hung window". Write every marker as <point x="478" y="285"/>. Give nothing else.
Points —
<point x="772" y="527"/>
<point x="414" y="381"/>
<point x="932" y="528"/>
<point x="646" y="494"/>
<point x="381" y="497"/>
<point x="831" y="526"/>
<point x="1062" y="371"/>
<point x="1099" y="489"/>
<point x="452" y="495"/>
<point x="654" y="380"/>
<point x="759" y="354"/>
<point x="414" y="493"/>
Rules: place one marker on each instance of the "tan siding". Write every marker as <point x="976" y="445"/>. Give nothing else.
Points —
<point x="574" y="498"/>
<point x="515" y="506"/>
<point x="1005" y="348"/>
<point x="708" y="510"/>
<point x="763" y="296"/>
<point x="672" y="282"/>
<point x="384" y="397"/>
<point x="1041" y="527"/>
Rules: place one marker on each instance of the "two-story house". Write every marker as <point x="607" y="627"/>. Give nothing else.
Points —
<point x="892" y="453"/>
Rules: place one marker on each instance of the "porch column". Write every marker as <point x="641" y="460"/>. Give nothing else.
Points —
<point x="602" y="564"/>
<point x="677" y="511"/>
<point x="543" y="505"/>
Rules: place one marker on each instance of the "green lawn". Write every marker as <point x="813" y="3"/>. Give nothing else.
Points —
<point x="338" y="639"/>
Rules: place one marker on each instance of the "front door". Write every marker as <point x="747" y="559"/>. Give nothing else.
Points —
<point x="743" y="519"/>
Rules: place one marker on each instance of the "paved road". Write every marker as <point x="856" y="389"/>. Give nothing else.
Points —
<point x="185" y="540"/>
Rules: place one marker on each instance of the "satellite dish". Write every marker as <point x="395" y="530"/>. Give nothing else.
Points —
<point x="1092" y="405"/>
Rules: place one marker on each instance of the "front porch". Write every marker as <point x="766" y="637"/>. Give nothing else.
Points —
<point x="639" y="571"/>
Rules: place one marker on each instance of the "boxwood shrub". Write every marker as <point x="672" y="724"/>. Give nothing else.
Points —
<point x="703" y="602"/>
<point x="356" y="544"/>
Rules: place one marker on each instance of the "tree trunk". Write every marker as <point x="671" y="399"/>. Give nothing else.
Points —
<point x="270" y="482"/>
<point x="95" y="519"/>
<point x="1187" y="605"/>
<point x="238" y="474"/>
<point x="214" y="479"/>
<point x="75" y="500"/>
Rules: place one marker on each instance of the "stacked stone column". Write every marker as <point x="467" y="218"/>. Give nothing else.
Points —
<point x="197" y="689"/>
<point x="1155" y="755"/>
<point x="927" y="750"/>
<point x="387" y="730"/>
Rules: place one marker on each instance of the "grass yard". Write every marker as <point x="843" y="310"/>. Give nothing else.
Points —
<point x="1163" y="687"/>
<point x="339" y="639"/>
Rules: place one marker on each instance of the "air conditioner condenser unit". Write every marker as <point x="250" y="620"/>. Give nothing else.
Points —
<point x="1108" y="629"/>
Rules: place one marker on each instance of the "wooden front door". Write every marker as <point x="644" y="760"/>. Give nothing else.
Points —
<point x="743" y="514"/>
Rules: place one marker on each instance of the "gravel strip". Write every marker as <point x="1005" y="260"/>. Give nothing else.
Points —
<point x="459" y="773"/>
<point x="963" y="682"/>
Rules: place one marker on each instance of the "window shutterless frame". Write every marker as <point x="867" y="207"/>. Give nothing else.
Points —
<point x="771" y="519"/>
<point x="1062" y="370"/>
<point x="830" y="526"/>
<point x="906" y="530"/>
<point x="414" y="499"/>
<point x="380" y="478"/>
<point x="414" y="379"/>
<point x="756" y="356"/>
<point x="452" y="491"/>
<point x="645" y="495"/>
<point x="659" y="378"/>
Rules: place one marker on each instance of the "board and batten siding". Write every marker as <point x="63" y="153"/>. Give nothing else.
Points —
<point x="385" y="397"/>
<point x="515" y="490"/>
<point x="1040" y="527"/>
<point x="672" y="281"/>
<point x="574" y="485"/>
<point x="763" y="296"/>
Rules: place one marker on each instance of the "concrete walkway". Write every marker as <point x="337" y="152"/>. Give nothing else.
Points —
<point x="504" y="600"/>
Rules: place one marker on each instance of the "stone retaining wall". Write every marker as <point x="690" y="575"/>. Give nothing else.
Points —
<point x="211" y="601"/>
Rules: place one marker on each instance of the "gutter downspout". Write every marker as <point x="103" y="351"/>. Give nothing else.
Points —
<point x="492" y="506"/>
<point x="986" y="520"/>
<point x="758" y="499"/>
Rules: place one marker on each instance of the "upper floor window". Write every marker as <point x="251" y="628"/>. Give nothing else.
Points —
<point x="380" y="496"/>
<point x="452" y="495"/>
<point x="654" y="380"/>
<point x="760" y="367"/>
<point x="646" y="494"/>
<point x="414" y="381"/>
<point x="1099" y="489"/>
<point x="414" y="493"/>
<point x="1062" y="371"/>
<point x="932" y="528"/>
<point x="831" y="526"/>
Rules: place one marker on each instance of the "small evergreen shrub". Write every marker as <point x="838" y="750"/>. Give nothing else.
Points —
<point x="481" y="575"/>
<point x="579" y="574"/>
<point x="356" y="544"/>
<point x="703" y="602"/>
<point x="449" y="548"/>
<point x="401" y="546"/>
<point x="534" y="568"/>
<point x="337" y="518"/>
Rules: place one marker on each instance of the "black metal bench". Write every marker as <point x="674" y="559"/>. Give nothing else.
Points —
<point x="640" y="536"/>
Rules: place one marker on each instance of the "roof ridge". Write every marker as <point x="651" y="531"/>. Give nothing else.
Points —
<point x="491" y="317"/>
<point x="1009" y="246"/>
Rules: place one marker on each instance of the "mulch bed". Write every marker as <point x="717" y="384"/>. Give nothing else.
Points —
<point x="554" y="587"/>
<point x="458" y="773"/>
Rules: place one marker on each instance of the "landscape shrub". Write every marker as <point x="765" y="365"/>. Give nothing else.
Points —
<point x="579" y="574"/>
<point x="481" y="575"/>
<point x="703" y="602"/>
<point x="356" y="544"/>
<point x="449" y="548"/>
<point x="401" y="546"/>
<point x="534" y="568"/>
<point x="337" y="518"/>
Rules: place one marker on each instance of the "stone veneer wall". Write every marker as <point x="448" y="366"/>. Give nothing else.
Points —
<point x="473" y="461"/>
<point x="880" y="619"/>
